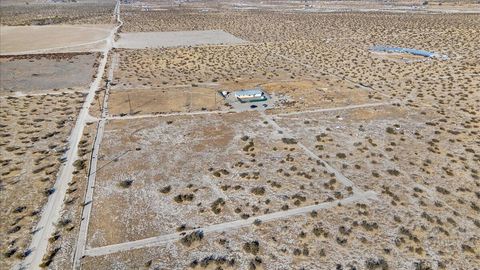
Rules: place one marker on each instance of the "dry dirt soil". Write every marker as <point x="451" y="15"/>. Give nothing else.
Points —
<point x="32" y="74"/>
<point x="192" y="162"/>
<point x="52" y="38"/>
<point x="163" y="100"/>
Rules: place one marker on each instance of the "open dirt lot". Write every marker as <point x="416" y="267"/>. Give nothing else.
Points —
<point x="163" y="100"/>
<point x="53" y="38"/>
<point x="214" y="169"/>
<point x="46" y="73"/>
<point x="175" y="39"/>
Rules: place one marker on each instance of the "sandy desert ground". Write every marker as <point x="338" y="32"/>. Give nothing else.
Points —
<point x="46" y="73"/>
<point x="34" y="139"/>
<point x="365" y="160"/>
<point x="52" y="38"/>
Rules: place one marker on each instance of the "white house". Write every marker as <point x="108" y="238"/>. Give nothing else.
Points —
<point x="250" y="95"/>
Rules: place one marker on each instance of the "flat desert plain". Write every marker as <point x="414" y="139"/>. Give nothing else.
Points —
<point x="126" y="142"/>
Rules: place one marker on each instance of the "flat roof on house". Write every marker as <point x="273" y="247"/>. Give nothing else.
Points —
<point x="250" y="92"/>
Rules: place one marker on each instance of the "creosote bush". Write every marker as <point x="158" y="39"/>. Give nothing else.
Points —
<point x="252" y="247"/>
<point x="126" y="183"/>
<point x="191" y="238"/>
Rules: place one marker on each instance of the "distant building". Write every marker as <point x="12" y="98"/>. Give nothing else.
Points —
<point x="252" y="95"/>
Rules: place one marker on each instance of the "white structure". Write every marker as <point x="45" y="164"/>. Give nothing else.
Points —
<point x="250" y="95"/>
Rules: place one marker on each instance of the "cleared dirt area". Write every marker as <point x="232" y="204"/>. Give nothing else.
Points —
<point x="190" y="171"/>
<point x="46" y="72"/>
<point x="319" y="93"/>
<point x="163" y="100"/>
<point x="34" y="132"/>
<point x="175" y="39"/>
<point x="50" y="39"/>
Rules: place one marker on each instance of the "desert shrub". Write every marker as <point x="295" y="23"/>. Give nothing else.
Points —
<point x="393" y="172"/>
<point x="422" y="265"/>
<point x="49" y="191"/>
<point x="19" y="209"/>
<point x="64" y="222"/>
<point x="212" y="259"/>
<point x="341" y="241"/>
<point x="275" y="184"/>
<point x="369" y="226"/>
<point x="126" y="183"/>
<point x="48" y="258"/>
<point x="10" y="252"/>
<point x="289" y="141"/>
<point x="319" y="231"/>
<point x="344" y="230"/>
<point x="166" y="189"/>
<point x="475" y="207"/>
<point x="183" y="198"/>
<point x="24" y="254"/>
<point x="378" y="263"/>
<point x="252" y="247"/>
<point x="221" y="172"/>
<point x="391" y="130"/>
<point x="217" y="204"/>
<point x="249" y="147"/>
<point x="79" y="164"/>
<point x="258" y="191"/>
<point x="467" y="248"/>
<point x="14" y="229"/>
<point x="191" y="238"/>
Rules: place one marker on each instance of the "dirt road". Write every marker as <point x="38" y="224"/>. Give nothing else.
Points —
<point x="52" y="210"/>
<point x="160" y="240"/>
